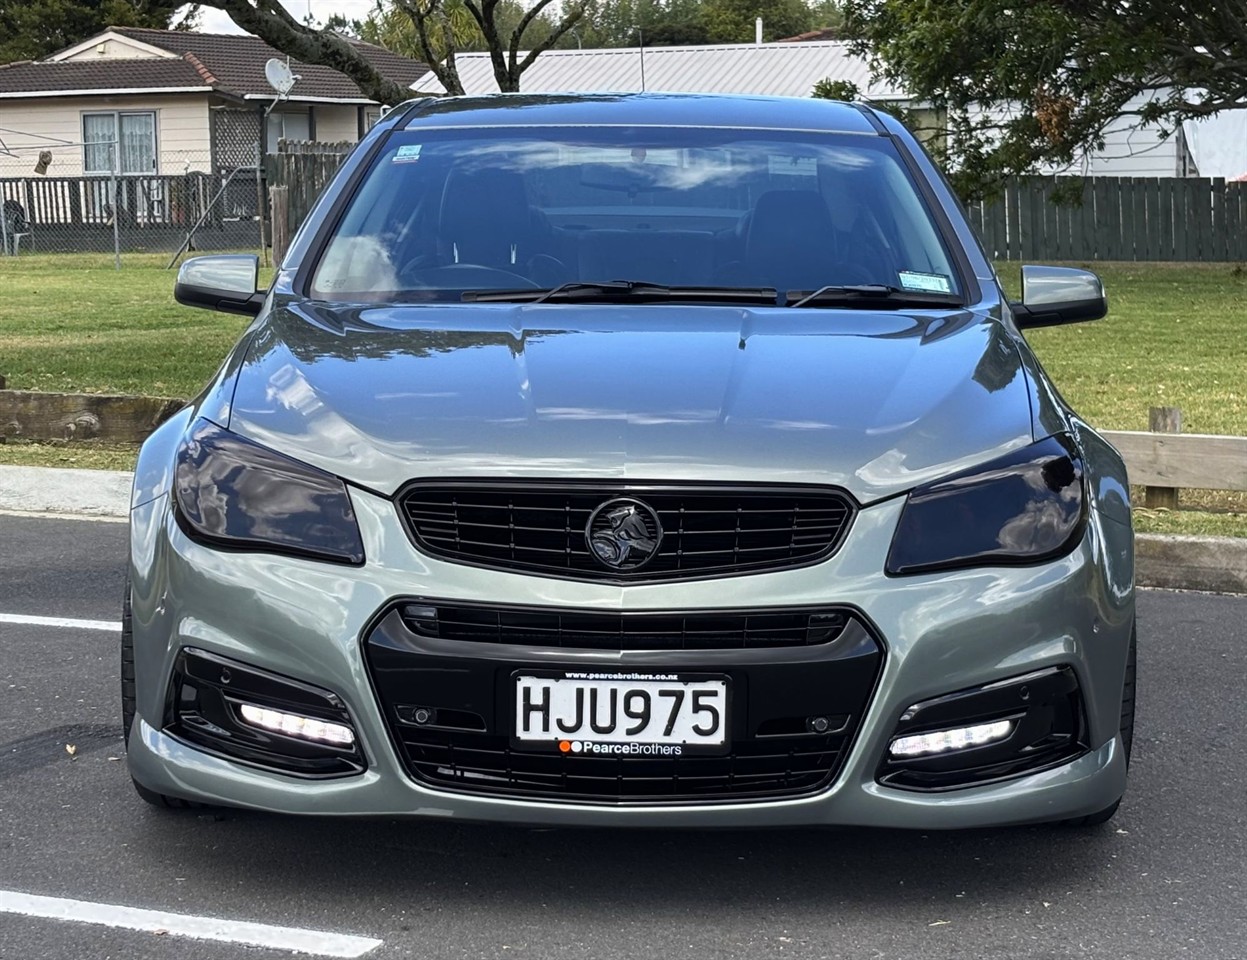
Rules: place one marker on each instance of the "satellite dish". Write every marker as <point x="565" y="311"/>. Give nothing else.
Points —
<point x="279" y="77"/>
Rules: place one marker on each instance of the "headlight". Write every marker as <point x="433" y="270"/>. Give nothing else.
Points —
<point x="1026" y="507"/>
<point x="231" y="492"/>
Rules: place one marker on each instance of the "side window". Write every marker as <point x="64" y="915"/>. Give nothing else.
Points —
<point x="118" y="142"/>
<point x="99" y="135"/>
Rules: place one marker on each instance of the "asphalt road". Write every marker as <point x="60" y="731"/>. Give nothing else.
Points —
<point x="1166" y="879"/>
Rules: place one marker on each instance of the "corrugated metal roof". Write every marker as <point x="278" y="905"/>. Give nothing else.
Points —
<point x="771" y="69"/>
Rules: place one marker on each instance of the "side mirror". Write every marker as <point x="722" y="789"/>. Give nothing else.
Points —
<point x="1055" y="295"/>
<point x="226" y="283"/>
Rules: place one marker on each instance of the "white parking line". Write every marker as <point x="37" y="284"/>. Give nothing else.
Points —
<point x="294" y="939"/>
<point x="111" y="625"/>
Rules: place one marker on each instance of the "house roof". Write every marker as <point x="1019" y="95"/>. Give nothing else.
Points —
<point x="227" y="63"/>
<point x="237" y="61"/>
<point x="772" y="69"/>
<point x="48" y="78"/>
<point x="822" y="33"/>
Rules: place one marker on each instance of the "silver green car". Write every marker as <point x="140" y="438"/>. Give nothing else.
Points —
<point x="633" y="460"/>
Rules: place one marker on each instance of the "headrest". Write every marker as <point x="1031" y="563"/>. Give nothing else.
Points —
<point x="791" y="244"/>
<point x="790" y="219"/>
<point x="484" y="214"/>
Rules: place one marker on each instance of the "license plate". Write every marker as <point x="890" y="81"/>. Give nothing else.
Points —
<point x="615" y="714"/>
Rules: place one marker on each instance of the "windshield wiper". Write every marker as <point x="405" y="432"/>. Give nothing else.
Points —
<point x="625" y="291"/>
<point x="872" y="296"/>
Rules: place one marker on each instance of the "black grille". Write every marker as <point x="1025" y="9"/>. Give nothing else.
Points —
<point x="546" y="627"/>
<point x="450" y="710"/>
<point x="756" y="769"/>
<point x="707" y="530"/>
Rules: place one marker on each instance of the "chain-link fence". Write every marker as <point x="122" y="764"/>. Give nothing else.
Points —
<point x="194" y="202"/>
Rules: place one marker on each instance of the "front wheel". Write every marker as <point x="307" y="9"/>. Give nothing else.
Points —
<point x="129" y="699"/>
<point x="128" y="695"/>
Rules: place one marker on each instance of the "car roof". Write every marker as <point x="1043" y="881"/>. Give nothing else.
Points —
<point x="644" y="109"/>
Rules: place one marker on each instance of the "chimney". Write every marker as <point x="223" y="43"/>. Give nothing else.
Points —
<point x="757" y="31"/>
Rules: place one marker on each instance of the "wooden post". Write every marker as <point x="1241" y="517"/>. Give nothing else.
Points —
<point x="1163" y="420"/>
<point x="279" y="204"/>
<point x="259" y="200"/>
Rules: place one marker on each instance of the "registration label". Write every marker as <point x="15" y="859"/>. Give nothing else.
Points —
<point x="621" y="714"/>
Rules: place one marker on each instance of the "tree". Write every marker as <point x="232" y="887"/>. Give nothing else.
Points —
<point x="657" y="23"/>
<point x="732" y="21"/>
<point x="1027" y="82"/>
<point x="828" y="14"/>
<point x="33" y="29"/>
<point x="435" y="28"/>
<point x="389" y="26"/>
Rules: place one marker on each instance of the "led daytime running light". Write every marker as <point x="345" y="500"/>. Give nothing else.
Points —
<point x="292" y="725"/>
<point x="941" y="741"/>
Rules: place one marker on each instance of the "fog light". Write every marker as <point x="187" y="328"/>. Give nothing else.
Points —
<point x="941" y="741"/>
<point x="292" y="725"/>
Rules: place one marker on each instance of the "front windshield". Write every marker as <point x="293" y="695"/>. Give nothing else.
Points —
<point x="442" y="213"/>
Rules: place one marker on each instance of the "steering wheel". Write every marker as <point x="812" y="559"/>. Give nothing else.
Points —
<point x="463" y="276"/>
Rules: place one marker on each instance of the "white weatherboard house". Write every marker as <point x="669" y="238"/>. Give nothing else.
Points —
<point x="1216" y="147"/>
<point x="161" y="102"/>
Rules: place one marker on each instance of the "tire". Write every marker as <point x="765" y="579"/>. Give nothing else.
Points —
<point x="128" y="709"/>
<point x="1125" y="728"/>
<point x="128" y="696"/>
<point x="163" y="801"/>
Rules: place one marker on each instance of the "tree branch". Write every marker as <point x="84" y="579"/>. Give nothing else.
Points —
<point x="570" y="19"/>
<point x="517" y="34"/>
<point x="484" y="11"/>
<point x="269" y="21"/>
<point x="447" y="72"/>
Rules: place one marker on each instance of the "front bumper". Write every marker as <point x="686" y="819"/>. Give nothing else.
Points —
<point x="941" y="633"/>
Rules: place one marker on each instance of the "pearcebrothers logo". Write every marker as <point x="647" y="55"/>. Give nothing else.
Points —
<point x="594" y="749"/>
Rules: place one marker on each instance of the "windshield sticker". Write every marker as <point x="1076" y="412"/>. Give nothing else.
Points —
<point x="926" y="282"/>
<point x="409" y="153"/>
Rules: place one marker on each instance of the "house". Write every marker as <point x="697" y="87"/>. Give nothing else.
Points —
<point x="791" y="67"/>
<point x="157" y="102"/>
<point x="136" y="137"/>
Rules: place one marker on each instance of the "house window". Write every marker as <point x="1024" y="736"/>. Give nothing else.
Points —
<point x="288" y="126"/>
<point x="1186" y="160"/>
<point x="120" y="142"/>
<point x="929" y="125"/>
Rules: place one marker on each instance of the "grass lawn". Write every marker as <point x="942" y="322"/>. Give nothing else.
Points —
<point x="1174" y="337"/>
<point x="73" y="323"/>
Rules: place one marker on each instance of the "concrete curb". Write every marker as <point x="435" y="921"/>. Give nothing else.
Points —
<point x="1210" y="564"/>
<point x="96" y="493"/>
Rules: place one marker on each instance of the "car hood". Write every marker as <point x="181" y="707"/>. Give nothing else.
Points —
<point x="875" y="402"/>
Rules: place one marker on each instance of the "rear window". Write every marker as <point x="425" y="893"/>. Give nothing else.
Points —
<point x="440" y="213"/>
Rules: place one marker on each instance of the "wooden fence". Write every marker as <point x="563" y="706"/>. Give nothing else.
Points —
<point x="72" y="214"/>
<point x="142" y="200"/>
<point x="1113" y="218"/>
<point x="303" y="169"/>
<point x="1117" y="218"/>
<point x="339" y="147"/>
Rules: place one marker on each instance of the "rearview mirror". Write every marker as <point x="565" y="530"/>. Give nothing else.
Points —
<point x="1055" y="295"/>
<point x="226" y="282"/>
<point x="624" y="178"/>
